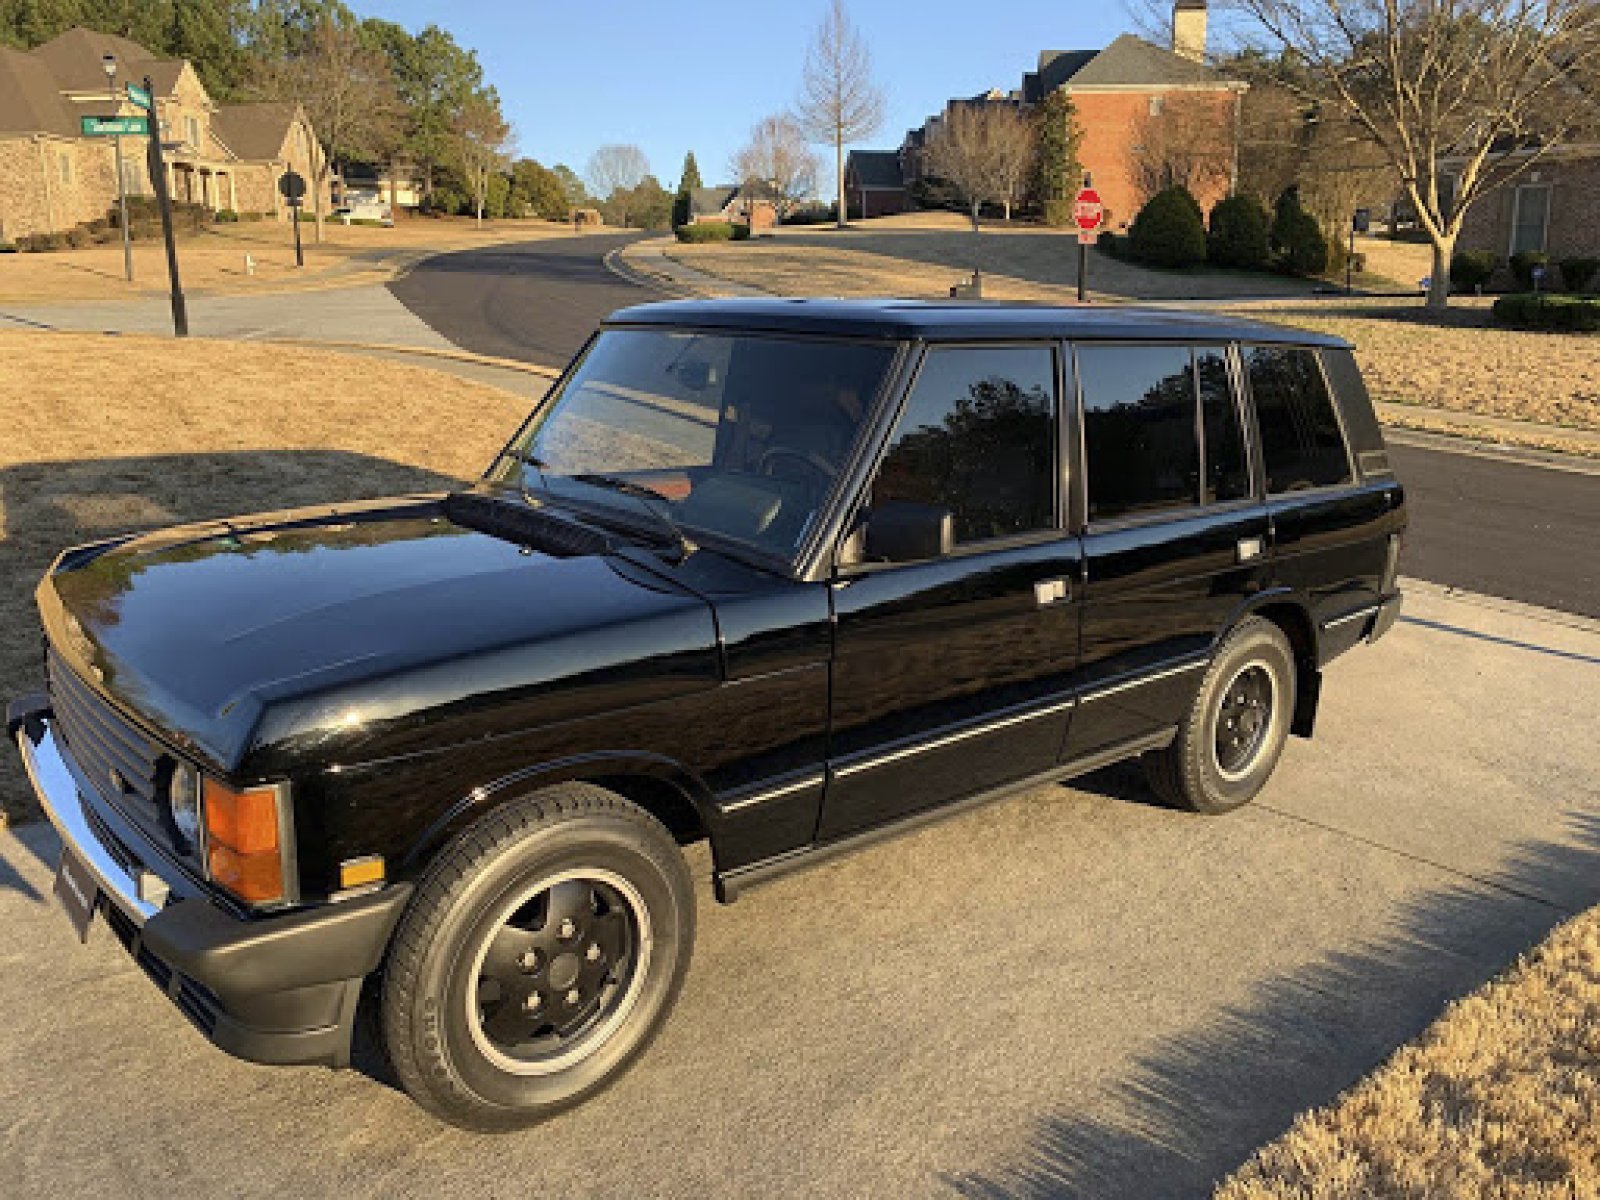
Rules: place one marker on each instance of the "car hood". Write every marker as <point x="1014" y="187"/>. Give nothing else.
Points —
<point x="341" y="631"/>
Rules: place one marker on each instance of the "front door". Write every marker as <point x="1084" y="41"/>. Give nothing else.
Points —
<point x="1175" y="540"/>
<point x="951" y="674"/>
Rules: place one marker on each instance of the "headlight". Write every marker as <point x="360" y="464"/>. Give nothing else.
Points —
<point x="184" y="797"/>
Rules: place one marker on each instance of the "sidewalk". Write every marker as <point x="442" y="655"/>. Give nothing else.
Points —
<point x="647" y="263"/>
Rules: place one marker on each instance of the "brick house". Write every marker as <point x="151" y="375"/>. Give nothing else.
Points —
<point x="53" y="178"/>
<point x="735" y="203"/>
<point x="875" y="183"/>
<point x="1150" y="115"/>
<point x="1552" y="207"/>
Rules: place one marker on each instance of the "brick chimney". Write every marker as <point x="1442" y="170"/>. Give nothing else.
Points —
<point x="1189" y="29"/>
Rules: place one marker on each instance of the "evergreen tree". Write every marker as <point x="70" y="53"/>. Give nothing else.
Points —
<point x="687" y="182"/>
<point x="1058" y="173"/>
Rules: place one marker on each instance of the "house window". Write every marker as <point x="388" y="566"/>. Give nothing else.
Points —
<point x="1156" y="104"/>
<point x="65" y="161"/>
<point x="1530" y="218"/>
<point x="191" y="126"/>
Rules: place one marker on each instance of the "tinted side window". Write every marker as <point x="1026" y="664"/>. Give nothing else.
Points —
<point x="978" y="436"/>
<point x="1300" y="438"/>
<point x="1227" y="469"/>
<point x="1140" y="441"/>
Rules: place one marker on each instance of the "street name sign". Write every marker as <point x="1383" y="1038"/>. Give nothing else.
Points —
<point x="114" y="126"/>
<point x="140" y="98"/>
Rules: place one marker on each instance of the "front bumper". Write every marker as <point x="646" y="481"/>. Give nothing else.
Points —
<point x="275" y="990"/>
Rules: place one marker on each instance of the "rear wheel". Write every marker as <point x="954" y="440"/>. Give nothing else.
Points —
<point x="540" y="955"/>
<point x="1231" y="737"/>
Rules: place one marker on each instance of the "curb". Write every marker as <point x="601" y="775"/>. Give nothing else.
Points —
<point x="641" y="276"/>
<point x="1511" y="608"/>
<point x="1474" y="445"/>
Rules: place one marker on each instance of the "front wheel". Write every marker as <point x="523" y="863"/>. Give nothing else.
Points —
<point x="1231" y="737"/>
<point x="540" y="955"/>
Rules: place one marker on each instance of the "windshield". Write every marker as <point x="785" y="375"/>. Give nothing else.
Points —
<point x="731" y="436"/>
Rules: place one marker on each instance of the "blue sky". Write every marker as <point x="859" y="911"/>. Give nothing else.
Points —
<point x="698" y="75"/>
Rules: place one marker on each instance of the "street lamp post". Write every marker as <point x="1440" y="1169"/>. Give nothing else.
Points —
<point x="109" y="64"/>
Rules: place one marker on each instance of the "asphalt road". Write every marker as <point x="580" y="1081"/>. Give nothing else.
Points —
<point x="537" y="302"/>
<point x="1528" y="533"/>
<point x="1510" y="529"/>
<point x="1069" y="993"/>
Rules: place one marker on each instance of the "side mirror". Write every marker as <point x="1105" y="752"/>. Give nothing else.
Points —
<point x="905" y="531"/>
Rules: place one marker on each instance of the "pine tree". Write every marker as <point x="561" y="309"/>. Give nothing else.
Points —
<point x="687" y="182"/>
<point x="1059" y="172"/>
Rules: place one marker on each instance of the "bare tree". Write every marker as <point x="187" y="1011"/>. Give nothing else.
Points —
<point x="1186" y="144"/>
<point x="348" y="93"/>
<point x="1479" y="90"/>
<point x="483" y="144"/>
<point x="839" y="102"/>
<point x="984" y="151"/>
<point x="778" y="158"/>
<point x="616" y="170"/>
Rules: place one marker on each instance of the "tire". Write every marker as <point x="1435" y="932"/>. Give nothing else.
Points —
<point x="539" y="956"/>
<point x="1211" y="766"/>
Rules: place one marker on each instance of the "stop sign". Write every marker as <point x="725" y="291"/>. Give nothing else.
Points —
<point x="1088" y="211"/>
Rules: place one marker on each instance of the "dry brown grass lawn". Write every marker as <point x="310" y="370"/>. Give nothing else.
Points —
<point x="108" y="434"/>
<point x="1463" y="364"/>
<point x="1500" y="1100"/>
<point x="213" y="260"/>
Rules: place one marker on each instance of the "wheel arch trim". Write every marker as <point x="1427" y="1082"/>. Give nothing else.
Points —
<point x="581" y="768"/>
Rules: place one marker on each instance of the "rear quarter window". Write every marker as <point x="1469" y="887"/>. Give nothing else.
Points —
<point x="1302" y="445"/>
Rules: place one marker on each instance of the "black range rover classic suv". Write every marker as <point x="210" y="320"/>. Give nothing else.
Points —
<point x="784" y="575"/>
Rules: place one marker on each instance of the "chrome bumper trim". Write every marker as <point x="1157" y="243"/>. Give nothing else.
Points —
<point x="58" y="794"/>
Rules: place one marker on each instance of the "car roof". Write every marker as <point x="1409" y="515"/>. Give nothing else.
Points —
<point x="958" y="320"/>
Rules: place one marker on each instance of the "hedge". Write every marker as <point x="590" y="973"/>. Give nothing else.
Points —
<point x="706" y="231"/>
<point x="1471" y="269"/>
<point x="1169" y="231"/>
<point x="1523" y="264"/>
<point x="1577" y="271"/>
<point x="1542" y="311"/>
<point x="741" y="232"/>
<point x="1238" y="234"/>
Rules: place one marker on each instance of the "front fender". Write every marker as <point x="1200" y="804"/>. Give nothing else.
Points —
<point x="603" y="765"/>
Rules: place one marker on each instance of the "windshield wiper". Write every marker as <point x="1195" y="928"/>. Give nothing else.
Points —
<point x="654" y="502"/>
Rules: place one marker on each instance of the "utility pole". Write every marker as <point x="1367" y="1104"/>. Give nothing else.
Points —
<point x="109" y="63"/>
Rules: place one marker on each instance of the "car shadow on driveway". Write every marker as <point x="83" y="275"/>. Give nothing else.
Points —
<point x="1198" y="1106"/>
<point x="48" y="506"/>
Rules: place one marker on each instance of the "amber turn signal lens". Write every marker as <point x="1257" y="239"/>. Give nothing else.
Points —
<point x="358" y="872"/>
<point x="242" y="849"/>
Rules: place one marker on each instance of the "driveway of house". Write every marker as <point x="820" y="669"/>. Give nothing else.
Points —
<point x="1071" y="992"/>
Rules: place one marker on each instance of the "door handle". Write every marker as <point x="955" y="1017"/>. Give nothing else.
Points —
<point x="1051" y="591"/>
<point x="1249" y="548"/>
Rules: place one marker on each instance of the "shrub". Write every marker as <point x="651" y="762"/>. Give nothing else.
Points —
<point x="1169" y="231"/>
<point x="1471" y="269"/>
<point x="78" y="237"/>
<point x="741" y="232"/>
<point x="1577" y="271"/>
<point x="1541" y="311"/>
<point x="706" y="231"/>
<point x="225" y="216"/>
<point x="1238" y="234"/>
<point x="1522" y="265"/>
<point x="8" y="248"/>
<point x="1297" y="239"/>
<point x="1113" y="245"/>
<point x="811" y="214"/>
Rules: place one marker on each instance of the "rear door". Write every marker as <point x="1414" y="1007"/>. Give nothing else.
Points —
<point x="1175" y="531"/>
<point x="1329" y="527"/>
<point x="952" y="675"/>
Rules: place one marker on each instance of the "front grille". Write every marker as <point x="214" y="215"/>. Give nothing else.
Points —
<point x="117" y="758"/>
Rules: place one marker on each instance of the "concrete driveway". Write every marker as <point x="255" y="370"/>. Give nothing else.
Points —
<point x="1068" y="993"/>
